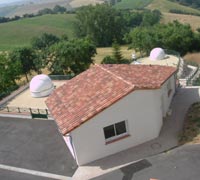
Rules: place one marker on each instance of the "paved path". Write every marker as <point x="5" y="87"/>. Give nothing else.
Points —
<point x="168" y="139"/>
<point x="178" y="164"/>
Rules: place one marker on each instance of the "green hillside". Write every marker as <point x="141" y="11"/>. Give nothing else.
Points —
<point x="165" y="6"/>
<point x="132" y="4"/>
<point x="19" y="33"/>
<point x="162" y="5"/>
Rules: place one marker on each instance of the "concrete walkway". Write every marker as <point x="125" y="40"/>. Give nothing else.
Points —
<point x="168" y="139"/>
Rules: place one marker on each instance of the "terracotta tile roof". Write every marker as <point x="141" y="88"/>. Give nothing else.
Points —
<point x="92" y="91"/>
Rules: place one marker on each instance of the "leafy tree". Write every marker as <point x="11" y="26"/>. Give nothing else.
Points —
<point x="41" y="46"/>
<point x="174" y="36"/>
<point x="26" y="57"/>
<point x="44" y="41"/>
<point x="73" y="56"/>
<point x="101" y="23"/>
<point x="10" y="70"/>
<point x="151" y="17"/>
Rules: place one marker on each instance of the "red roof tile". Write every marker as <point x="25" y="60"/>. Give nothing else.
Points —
<point x="92" y="91"/>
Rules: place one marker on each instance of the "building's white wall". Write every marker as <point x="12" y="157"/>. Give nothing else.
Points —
<point x="166" y="100"/>
<point x="142" y="110"/>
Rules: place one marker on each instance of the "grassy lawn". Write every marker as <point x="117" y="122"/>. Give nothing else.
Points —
<point x="102" y="52"/>
<point x="191" y="130"/>
<point x="19" y="33"/>
<point x="132" y="4"/>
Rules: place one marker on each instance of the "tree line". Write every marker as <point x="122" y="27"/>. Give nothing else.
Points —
<point x="191" y="3"/>
<point x="56" y="10"/>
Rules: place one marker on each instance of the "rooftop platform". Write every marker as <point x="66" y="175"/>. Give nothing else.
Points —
<point x="25" y="100"/>
<point x="169" y="60"/>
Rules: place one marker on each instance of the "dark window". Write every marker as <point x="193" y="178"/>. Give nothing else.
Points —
<point x="120" y="127"/>
<point x="115" y="130"/>
<point x="109" y="131"/>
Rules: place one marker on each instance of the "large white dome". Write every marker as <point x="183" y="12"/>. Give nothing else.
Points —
<point x="41" y="85"/>
<point x="157" y="54"/>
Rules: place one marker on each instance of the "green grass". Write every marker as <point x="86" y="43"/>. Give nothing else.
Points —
<point x="165" y="6"/>
<point x="132" y="4"/>
<point x="19" y="33"/>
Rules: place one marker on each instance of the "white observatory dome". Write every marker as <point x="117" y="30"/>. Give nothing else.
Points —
<point x="41" y="85"/>
<point x="157" y="54"/>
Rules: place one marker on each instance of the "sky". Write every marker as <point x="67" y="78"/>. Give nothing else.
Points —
<point x="7" y="1"/>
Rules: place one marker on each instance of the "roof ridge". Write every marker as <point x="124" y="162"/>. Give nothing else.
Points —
<point x="115" y="75"/>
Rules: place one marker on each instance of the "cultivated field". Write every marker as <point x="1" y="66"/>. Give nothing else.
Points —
<point x="165" y="6"/>
<point x="78" y="3"/>
<point x="19" y="33"/>
<point x="194" y="21"/>
<point x="132" y="4"/>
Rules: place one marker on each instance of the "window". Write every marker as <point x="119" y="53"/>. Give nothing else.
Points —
<point x="115" y="131"/>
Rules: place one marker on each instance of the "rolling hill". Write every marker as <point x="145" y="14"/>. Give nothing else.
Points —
<point x="162" y="5"/>
<point x="19" y="33"/>
<point x="22" y="7"/>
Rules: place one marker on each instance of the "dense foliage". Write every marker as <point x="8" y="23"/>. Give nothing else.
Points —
<point x="71" y="57"/>
<point x="174" y="36"/>
<point x="103" y="24"/>
<point x="9" y="71"/>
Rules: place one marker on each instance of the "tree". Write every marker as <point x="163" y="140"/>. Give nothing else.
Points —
<point x="45" y="11"/>
<point x="174" y="36"/>
<point x="44" y="41"/>
<point x="73" y="56"/>
<point x="10" y="70"/>
<point x="41" y="46"/>
<point x="59" y="9"/>
<point x="26" y="57"/>
<point x="101" y="23"/>
<point x="151" y="17"/>
<point x="116" y="57"/>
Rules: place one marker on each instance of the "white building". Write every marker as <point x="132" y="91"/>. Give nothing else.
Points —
<point x="110" y="108"/>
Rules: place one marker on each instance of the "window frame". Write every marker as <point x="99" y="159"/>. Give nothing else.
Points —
<point x="169" y="88"/>
<point x="116" y="137"/>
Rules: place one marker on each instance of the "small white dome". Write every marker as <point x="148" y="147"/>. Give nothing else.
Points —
<point x="157" y="54"/>
<point x="41" y="85"/>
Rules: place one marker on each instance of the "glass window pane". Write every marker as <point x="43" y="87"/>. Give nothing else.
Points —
<point x="120" y="127"/>
<point x="109" y="131"/>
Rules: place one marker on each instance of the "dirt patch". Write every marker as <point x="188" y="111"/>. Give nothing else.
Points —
<point x="192" y="57"/>
<point x="191" y="129"/>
